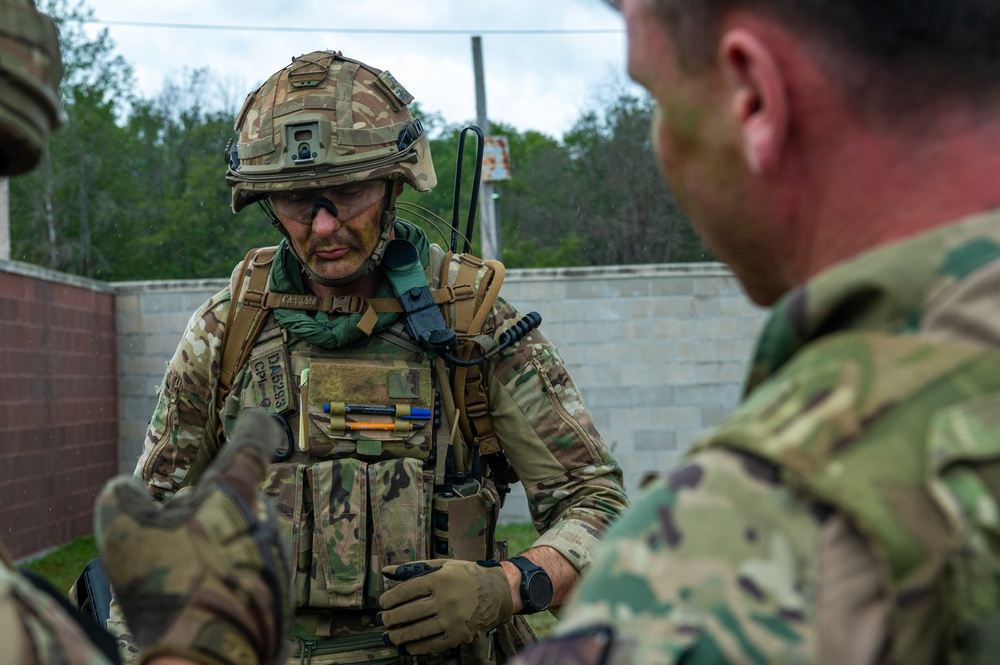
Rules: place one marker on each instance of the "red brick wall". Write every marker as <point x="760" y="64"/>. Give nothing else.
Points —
<point x="58" y="409"/>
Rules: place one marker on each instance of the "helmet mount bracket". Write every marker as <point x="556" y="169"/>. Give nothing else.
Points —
<point x="303" y="143"/>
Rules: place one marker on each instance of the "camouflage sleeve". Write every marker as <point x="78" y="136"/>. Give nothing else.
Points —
<point x="573" y="483"/>
<point x="715" y="564"/>
<point x="34" y="629"/>
<point x="185" y="414"/>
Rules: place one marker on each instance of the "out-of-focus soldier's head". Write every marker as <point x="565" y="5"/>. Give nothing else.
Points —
<point x="769" y="114"/>
<point x="30" y="71"/>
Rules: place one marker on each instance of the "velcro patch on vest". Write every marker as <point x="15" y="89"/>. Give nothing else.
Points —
<point x="403" y="384"/>
<point x="372" y="408"/>
<point x="272" y="377"/>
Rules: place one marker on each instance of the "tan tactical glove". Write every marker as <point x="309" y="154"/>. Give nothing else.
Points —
<point x="203" y="577"/>
<point x="443" y="603"/>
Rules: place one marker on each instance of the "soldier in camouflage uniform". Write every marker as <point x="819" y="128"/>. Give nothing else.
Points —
<point x="840" y="157"/>
<point x="389" y="489"/>
<point x="204" y="580"/>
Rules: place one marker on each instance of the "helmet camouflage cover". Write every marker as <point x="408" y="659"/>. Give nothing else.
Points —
<point x="30" y="71"/>
<point x="326" y="120"/>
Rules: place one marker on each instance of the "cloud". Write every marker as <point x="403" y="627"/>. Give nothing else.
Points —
<point x="533" y="81"/>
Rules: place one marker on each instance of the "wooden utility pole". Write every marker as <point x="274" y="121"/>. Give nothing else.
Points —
<point x="4" y="220"/>
<point x="490" y="246"/>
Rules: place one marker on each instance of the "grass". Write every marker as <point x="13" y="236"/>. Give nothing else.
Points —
<point x="62" y="566"/>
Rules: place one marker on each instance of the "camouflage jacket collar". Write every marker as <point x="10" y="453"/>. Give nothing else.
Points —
<point x="322" y="329"/>
<point x="888" y="288"/>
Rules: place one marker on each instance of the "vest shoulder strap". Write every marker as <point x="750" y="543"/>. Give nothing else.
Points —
<point x="246" y="318"/>
<point x="467" y="290"/>
<point x="468" y="318"/>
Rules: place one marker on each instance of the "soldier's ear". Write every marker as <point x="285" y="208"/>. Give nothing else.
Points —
<point x="758" y="97"/>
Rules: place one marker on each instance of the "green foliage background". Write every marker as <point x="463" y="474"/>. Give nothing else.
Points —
<point x="133" y="188"/>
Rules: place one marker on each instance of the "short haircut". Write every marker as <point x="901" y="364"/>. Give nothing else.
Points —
<point x="889" y="55"/>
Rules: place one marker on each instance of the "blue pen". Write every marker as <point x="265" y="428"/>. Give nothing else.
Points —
<point x="415" y="413"/>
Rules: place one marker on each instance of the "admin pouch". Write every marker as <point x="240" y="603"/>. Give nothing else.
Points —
<point x="328" y="388"/>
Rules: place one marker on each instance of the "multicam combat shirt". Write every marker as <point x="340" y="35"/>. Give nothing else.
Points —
<point x="847" y="511"/>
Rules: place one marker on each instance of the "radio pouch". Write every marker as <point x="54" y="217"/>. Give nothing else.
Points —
<point x="464" y="525"/>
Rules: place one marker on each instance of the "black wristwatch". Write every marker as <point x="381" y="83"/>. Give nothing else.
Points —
<point x="536" y="587"/>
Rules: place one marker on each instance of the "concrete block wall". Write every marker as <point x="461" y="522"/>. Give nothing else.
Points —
<point x="150" y="318"/>
<point x="58" y="405"/>
<point x="659" y="352"/>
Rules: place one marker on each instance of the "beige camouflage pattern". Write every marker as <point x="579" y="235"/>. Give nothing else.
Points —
<point x="359" y="114"/>
<point x="331" y="497"/>
<point x="875" y="404"/>
<point x="35" y="630"/>
<point x="205" y="576"/>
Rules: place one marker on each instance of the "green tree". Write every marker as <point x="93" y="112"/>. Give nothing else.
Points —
<point x="623" y="208"/>
<point x="131" y="188"/>
<point x="529" y="204"/>
<point x="594" y="199"/>
<point x="534" y="205"/>
<point x="62" y="213"/>
<point x="190" y="226"/>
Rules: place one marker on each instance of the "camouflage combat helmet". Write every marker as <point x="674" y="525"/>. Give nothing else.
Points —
<point x="30" y="71"/>
<point x="326" y="120"/>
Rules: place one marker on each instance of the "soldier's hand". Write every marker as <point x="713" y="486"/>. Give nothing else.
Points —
<point x="443" y="603"/>
<point x="207" y="575"/>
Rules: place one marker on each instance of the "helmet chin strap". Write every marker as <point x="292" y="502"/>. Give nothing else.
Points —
<point x="387" y="223"/>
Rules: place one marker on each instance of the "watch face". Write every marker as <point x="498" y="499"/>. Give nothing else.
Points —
<point x="536" y="587"/>
<point x="539" y="591"/>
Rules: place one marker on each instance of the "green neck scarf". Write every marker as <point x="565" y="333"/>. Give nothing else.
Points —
<point x="337" y="330"/>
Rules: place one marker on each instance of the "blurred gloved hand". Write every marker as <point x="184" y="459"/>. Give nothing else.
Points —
<point x="443" y="603"/>
<point x="206" y="576"/>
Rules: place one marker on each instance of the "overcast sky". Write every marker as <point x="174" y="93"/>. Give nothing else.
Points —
<point x="534" y="80"/>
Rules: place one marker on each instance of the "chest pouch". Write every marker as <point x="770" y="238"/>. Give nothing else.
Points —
<point x="379" y="409"/>
<point x="346" y="519"/>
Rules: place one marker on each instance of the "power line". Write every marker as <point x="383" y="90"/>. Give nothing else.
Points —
<point x="368" y="31"/>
